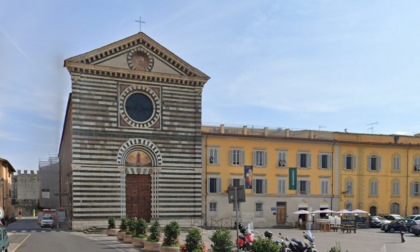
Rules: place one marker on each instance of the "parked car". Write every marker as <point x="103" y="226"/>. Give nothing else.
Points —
<point x="414" y="217"/>
<point x="392" y="217"/>
<point x="415" y="229"/>
<point x="377" y="221"/>
<point x="4" y="239"/>
<point x="47" y="221"/>
<point x="395" y="225"/>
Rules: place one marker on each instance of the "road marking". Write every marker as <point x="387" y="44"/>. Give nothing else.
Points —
<point x="20" y="243"/>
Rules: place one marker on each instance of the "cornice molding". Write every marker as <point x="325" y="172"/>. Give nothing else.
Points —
<point x="81" y="68"/>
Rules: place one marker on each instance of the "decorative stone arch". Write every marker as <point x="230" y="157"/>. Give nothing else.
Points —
<point x="153" y="168"/>
<point x="139" y="144"/>
<point x="373" y="208"/>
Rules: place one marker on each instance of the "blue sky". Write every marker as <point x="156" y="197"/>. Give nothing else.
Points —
<point x="325" y="64"/>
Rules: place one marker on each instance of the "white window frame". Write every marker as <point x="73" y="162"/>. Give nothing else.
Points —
<point x="373" y="167"/>
<point x="416" y="164"/>
<point x="281" y="159"/>
<point x="325" y="186"/>
<point x="307" y="186"/>
<point x="259" y="206"/>
<point x="328" y="156"/>
<point x="237" y="157"/>
<point x="373" y="191"/>
<point x="396" y="163"/>
<point x="299" y="160"/>
<point x="260" y="158"/>
<point x="395" y="188"/>
<point x="281" y="185"/>
<point x="213" y="158"/>
<point x="259" y="186"/>
<point x="218" y="182"/>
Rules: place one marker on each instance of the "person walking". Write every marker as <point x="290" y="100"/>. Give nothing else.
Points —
<point x="403" y="229"/>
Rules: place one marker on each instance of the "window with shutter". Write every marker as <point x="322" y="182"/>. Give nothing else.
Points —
<point x="324" y="161"/>
<point x="281" y="159"/>
<point x="260" y="186"/>
<point x="236" y="157"/>
<point x="304" y="160"/>
<point x="281" y="186"/>
<point x="260" y="158"/>
<point x="213" y="156"/>
<point x="396" y="163"/>
<point x="214" y="185"/>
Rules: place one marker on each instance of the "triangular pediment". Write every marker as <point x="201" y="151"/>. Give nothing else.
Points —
<point x="137" y="54"/>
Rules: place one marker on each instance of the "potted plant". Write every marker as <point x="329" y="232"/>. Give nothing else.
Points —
<point x="139" y="233"/>
<point x="222" y="241"/>
<point x="123" y="229"/>
<point x="152" y="242"/>
<point x="170" y="240"/>
<point x="128" y="236"/>
<point x="193" y="241"/>
<point x="112" y="231"/>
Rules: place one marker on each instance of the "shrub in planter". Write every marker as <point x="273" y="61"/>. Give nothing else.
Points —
<point x="111" y="223"/>
<point x="123" y="225"/>
<point x="193" y="241"/>
<point x="154" y="232"/>
<point x="171" y="232"/>
<point x="222" y="241"/>
<point x="140" y="228"/>
<point x="265" y="245"/>
<point x="131" y="226"/>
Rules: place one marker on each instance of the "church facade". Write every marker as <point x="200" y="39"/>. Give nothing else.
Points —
<point x="132" y="143"/>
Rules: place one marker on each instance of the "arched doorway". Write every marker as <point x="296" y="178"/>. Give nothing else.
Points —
<point x="373" y="211"/>
<point x="140" y="159"/>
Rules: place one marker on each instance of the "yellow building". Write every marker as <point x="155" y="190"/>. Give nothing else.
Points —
<point x="307" y="170"/>
<point x="6" y="172"/>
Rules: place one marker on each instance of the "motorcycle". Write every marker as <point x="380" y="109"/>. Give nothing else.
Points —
<point x="245" y="238"/>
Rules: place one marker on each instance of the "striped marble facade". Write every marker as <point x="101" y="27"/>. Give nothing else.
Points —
<point x="100" y="137"/>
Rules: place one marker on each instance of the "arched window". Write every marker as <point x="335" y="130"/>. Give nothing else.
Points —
<point x="349" y="187"/>
<point x="373" y="211"/>
<point x="373" y="188"/>
<point x="395" y="208"/>
<point x="416" y="210"/>
<point x="395" y="188"/>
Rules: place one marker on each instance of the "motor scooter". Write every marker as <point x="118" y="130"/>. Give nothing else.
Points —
<point x="284" y="243"/>
<point x="311" y="239"/>
<point x="245" y="238"/>
<point x="298" y="246"/>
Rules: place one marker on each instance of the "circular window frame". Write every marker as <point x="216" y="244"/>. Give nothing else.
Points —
<point x="154" y="98"/>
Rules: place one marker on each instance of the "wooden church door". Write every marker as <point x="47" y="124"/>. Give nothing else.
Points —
<point x="138" y="189"/>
